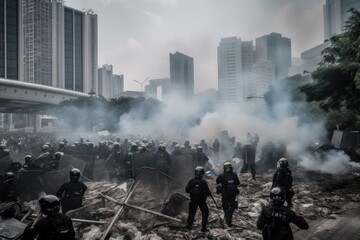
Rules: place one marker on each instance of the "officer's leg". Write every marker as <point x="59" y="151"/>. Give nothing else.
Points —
<point x="226" y="208"/>
<point x="192" y="211"/>
<point x="244" y="168"/>
<point x="205" y="214"/>
<point x="252" y="169"/>
<point x="233" y="206"/>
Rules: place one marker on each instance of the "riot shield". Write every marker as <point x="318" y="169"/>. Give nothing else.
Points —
<point x="73" y="162"/>
<point x="28" y="185"/>
<point x="11" y="229"/>
<point x="151" y="192"/>
<point x="181" y="171"/>
<point x="51" y="181"/>
<point x="141" y="160"/>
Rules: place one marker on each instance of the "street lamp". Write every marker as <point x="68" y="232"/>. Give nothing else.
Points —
<point x="141" y="83"/>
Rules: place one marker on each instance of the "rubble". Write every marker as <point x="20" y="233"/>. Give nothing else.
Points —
<point x="310" y="201"/>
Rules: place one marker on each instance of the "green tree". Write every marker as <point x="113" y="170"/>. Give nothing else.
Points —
<point x="336" y="85"/>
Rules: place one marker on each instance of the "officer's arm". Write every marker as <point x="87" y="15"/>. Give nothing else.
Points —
<point x="274" y="179"/>
<point x="218" y="179"/>
<point x="60" y="191"/>
<point x="31" y="231"/>
<point x="207" y="190"/>
<point x="261" y="220"/>
<point x="298" y="221"/>
<point x="237" y="181"/>
<point x="187" y="189"/>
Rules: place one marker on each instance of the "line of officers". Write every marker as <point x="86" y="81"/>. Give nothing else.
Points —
<point x="51" y="223"/>
<point x="274" y="220"/>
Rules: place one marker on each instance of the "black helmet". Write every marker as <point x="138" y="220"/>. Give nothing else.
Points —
<point x="277" y="196"/>
<point x="50" y="205"/>
<point x="283" y="162"/>
<point x="28" y="159"/>
<point x="9" y="177"/>
<point x="6" y="152"/>
<point x="75" y="175"/>
<point x="199" y="149"/>
<point x="228" y="167"/>
<point x="58" y="155"/>
<point x="161" y="147"/>
<point x="199" y="172"/>
<point x="134" y="147"/>
<point x="45" y="148"/>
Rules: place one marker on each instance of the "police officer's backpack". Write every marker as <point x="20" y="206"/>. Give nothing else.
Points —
<point x="61" y="229"/>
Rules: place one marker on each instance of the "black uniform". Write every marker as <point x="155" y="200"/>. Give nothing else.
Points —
<point x="274" y="222"/>
<point x="58" y="227"/>
<point x="8" y="192"/>
<point x="229" y="183"/>
<point x="249" y="154"/>
<point x="162" y="161"/>
<point x="282" y="178"/>
<point x="71" y="195"/>
<point x="199" y="191"/>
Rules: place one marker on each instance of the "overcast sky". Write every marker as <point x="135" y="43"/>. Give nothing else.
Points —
<point x="136" y="36"/>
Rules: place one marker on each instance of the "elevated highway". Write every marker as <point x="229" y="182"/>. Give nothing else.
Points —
<point x="23" y="97"/>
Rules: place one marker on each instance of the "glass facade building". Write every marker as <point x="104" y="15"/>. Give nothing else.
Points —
<point x="9" y="39"/>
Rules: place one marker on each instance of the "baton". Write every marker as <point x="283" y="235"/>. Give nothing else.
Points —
<point x="217" y="206"/>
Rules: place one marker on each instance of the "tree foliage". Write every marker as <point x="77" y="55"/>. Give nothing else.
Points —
<point x="105" y="115"/>
<point x="336" y="85"/>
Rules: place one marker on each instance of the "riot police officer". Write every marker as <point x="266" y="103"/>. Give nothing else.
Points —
<point x="275" y="219"/>
<point x="283" y="179"/>
<point x="199" y="191"/>
<point x="50" y="223"/>
<point x="72" y="193"/>
<point x="128" y="162"/>
<point x="8" y="191"/>
<point x="29" y="165"/>
<point x="228" y="183"/>
<point x="162" y="159"/>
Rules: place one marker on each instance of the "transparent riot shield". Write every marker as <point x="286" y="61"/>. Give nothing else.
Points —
<point x="69" y="162"/>
<point x="141" y="160"/>
<point x="28" y="185"/>
<point x="181" y="171"/>
<point x="152" y="188"/>
<point x="97" y="209"/>
<point x="51" y="181"/>
<point x="11" y="229"/>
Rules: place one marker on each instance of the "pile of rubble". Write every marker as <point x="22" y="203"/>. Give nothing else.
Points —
<point x="319" y="196"/>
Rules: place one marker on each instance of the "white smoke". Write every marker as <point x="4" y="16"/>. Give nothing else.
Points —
<point x="332" y="162"/>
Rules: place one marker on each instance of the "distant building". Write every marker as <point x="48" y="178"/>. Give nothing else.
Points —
<point x="209" y="95"/>
<point x="310" y="60"/>
<point x="277" y="49"/>
<point x="60" y="45"/>
<point x="336" y="13"/>
<point x="133" y="94"/>
<point x="9" y="39"/>
<point x="230" y="79"/>
<point x="158" y="88"/>
<point x="263" y="77"/>
<point x="182" y="74"/>
<point x="109" y="84"/>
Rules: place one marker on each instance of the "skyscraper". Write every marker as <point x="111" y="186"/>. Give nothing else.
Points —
<point x="60" y="45"/>
<point x="109" y="84"/>
<point x="336" y="13"/>
<point x="182" y="74"/>
<point x="277" y="49"/>
<point x="9" y="39"/>
<point x="230" y="69"/>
